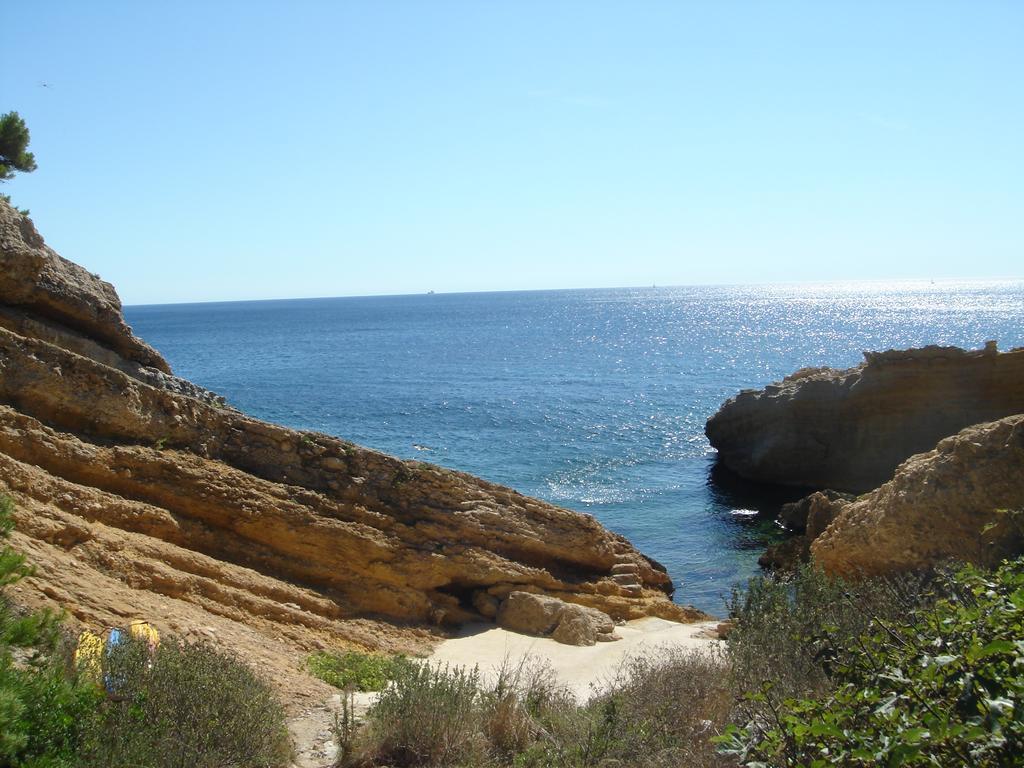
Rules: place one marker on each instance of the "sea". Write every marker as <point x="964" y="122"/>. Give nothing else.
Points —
<point x="594" y="400"/>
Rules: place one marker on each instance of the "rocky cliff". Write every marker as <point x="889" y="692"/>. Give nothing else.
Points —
<point x="963" y="500"/>
<point x="850" y="429"/>
<point x="140" y="494"/>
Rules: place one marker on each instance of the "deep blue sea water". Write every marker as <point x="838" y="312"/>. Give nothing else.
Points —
<point x="591" y="399"/>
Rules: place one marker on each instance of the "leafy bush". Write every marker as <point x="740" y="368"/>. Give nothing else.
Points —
<point x="945" y="686"/>
<point x="189" y="705"/>
<point x="42" y="709"/>
<point x="352" y="669"/>
<point x="789" y="628"/>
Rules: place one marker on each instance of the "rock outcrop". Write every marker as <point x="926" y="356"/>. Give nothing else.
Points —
<point x="850" y="429"/>
<point x="548" y="616"/>
<point x="963" y="500"/>
<point x="806" y="519"/>
<point x="139" y="493"/>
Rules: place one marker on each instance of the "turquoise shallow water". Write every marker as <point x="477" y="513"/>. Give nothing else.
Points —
<point x="592" y="399"/>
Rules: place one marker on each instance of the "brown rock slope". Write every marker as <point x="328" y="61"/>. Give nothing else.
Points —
<point x="941" y="504"/>
<point x="848" y="430"/>
<point x="139" y="493"/>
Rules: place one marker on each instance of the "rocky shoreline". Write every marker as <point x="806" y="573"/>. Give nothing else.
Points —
<point x="931" y="439"/>
<point x="139" y="494"/>
<point x="849" y="429"/>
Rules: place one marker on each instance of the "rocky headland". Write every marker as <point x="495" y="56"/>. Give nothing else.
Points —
<point x="849" y="429"/>
<point x="935" y="436"/>
<point x="139" y="494"/>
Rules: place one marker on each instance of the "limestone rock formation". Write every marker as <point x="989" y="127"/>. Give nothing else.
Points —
<point x="47" y="290"/>
<point x="963" y="500"/>
<point x="806" y="519"/>
<point x="812" y="513"/>
<point x="548" y="616"/>
<point x="850" y="429"/>
<point x="139" y="493"/>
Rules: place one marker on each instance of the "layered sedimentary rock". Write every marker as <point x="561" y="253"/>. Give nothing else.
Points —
<point x="963" y="500"/>
<point x="850" y="429"/>
<point x="139" y="493"/>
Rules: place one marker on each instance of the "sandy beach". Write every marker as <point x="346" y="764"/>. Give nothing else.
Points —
<point x="579" y="668"/>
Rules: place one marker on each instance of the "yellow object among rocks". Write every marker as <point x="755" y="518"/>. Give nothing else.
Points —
<point x="89" y="656"/>
<point x="143" y="630"/>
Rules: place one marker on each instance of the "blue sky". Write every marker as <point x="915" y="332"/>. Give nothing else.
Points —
<point x="235" y="150"/>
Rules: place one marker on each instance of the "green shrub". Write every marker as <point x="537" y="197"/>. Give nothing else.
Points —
<point x="352" y="669"/>
<point x="428" y="716"/>
<point x="660" y="710"/>
<point x="42" y="709"/>
<point x="944" y="686"/>
<point x="189" y="705"/>
<point x="790" y="627"/>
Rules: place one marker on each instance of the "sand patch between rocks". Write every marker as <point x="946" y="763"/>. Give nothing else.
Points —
<point x="579" y="668"/>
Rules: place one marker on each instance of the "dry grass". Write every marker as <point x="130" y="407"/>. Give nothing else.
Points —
<point x="661" y="710"/>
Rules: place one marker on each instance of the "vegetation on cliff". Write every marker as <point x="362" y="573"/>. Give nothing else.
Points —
<point x="184" y="704"/>
<point x="14" y="154"/>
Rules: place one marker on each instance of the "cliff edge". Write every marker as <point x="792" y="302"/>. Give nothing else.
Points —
<point x="141" y="494"/>
<point x="850" y="429"/>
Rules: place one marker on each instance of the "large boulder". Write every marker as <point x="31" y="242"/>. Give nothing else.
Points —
<point x="543" y="615"/>
<point x="963" y="500"/>
<point x="850" y="429"/>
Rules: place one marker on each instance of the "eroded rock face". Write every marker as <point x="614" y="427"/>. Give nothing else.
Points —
<point x="139" y="493"/>
<point x="45" y="287"/>
<point x="938" y="505"/>
<point x="850" y="429"/>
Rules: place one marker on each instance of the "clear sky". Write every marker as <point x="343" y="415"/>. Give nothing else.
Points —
<point x="193" y="151"/>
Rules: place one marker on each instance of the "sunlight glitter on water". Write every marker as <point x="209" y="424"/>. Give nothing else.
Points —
<point x="595" y="400"/>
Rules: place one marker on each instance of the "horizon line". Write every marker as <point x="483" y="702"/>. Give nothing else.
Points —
<point x="654" y="286"/>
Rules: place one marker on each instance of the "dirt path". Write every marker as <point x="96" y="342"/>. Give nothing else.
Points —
<point x="313" y="731"/>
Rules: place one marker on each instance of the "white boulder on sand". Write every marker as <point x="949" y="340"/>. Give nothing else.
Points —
<point x="580" y="668"/>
